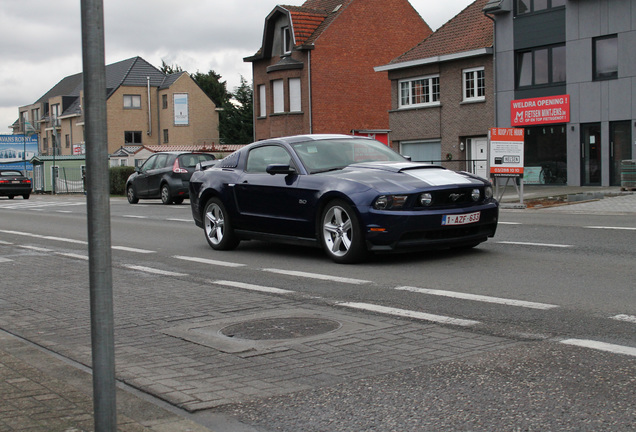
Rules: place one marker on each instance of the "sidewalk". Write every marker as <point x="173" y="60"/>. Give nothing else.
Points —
<point x="42" y="393"/>
<point x="595" y="199"/>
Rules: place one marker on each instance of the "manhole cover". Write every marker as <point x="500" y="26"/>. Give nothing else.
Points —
<point x="280" y="328"/>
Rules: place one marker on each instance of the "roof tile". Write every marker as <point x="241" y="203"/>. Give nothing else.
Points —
<point x="469" y="30"/>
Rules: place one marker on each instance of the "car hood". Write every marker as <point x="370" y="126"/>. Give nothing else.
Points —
<point x="404" y="177"/>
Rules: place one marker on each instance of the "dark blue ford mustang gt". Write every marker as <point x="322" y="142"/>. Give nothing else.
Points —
<point x="348" y="194"/>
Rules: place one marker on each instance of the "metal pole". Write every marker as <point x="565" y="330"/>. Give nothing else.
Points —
<point x="98" y="205"/>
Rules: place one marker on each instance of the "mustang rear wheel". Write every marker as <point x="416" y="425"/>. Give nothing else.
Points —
<point x="217" y="226"/>
<point x="341" y="235"/>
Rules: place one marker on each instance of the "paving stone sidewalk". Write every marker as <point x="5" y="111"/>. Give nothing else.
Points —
<point x="40" y="393"/>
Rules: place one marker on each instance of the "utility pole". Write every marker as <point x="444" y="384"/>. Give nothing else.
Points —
<point x="98" y="218"/>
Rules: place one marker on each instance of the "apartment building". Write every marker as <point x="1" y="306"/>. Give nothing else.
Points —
<point x="566" y="73"/>
<point x="144" y="107"/>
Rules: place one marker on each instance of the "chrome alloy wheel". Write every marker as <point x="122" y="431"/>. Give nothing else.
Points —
<point x="337" y="231"/>
<point x="214" y="223"/>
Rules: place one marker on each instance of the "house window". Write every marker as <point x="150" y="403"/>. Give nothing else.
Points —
<point x="132" y="137"/>
<point x="262" y="101"/>
<point x="294" y="95"/>
<point x="132" y="101"/>
<point x="55" y="113"/>
<point x="278" y="91"/>
<point x="287" y="40"/>
<point x="419" y="92"/>
<point x="67" y="139"/>
<point x="529" y="6"/>
<point x="164" y="101"/>
<point x="541" y="66"/>
<point x="474" y="84"/>
<point x="165" y="136"/>
<point x="605" y="55"/>
<point x="35" y="115"/>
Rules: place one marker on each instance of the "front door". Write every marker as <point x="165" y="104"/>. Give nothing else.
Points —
<point x="620" y="148"/>
<point x="591" y="154"/>
<point x="478" y="157"/>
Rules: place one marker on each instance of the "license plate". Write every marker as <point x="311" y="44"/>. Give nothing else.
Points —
<point x="15" y="181"/>
<point x="461" y="219"/>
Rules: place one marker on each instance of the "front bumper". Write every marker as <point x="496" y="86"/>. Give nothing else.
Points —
<point x="422" y="230"/>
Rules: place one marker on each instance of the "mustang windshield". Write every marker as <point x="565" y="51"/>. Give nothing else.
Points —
<point x="332" y="154"/>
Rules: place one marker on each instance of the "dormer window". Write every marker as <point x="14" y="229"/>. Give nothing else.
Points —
<point x="287" y="40"/>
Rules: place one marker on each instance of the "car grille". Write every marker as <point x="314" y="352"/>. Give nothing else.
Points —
<point x="453" y="198"/>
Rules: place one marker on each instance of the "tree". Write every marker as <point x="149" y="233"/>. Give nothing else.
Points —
<point x="236" y="124"/>
<point x="168" y="70"/>
<point x="212" y="86"/>
<point x="236" y="120"/>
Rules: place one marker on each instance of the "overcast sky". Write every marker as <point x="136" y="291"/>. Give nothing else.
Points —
<point x="41" y="39"/>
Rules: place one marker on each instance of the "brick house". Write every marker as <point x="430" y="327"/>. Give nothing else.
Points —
<point x="442" y="102"/>
<point x="144" y="107"/>
<point x="314" y="71"/>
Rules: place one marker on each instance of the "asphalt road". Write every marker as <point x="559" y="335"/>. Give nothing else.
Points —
<point x="553" y="291"/>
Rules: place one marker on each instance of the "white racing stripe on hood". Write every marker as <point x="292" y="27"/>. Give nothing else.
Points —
<point x="437" y="177"/>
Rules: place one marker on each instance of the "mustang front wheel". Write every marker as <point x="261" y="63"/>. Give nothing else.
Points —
<point x="341" y="235"/>
<point x="217" y="226"/>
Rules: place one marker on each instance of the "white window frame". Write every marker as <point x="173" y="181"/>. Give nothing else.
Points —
<point x="295" y="101"/>
<point x="132" y="101"/>
<point x="286" y="38"/>
<point x="471" y="84"/>
<point x="278" y="92"/>
<point x="262" y="100"/>
<point x="407" y="93"/>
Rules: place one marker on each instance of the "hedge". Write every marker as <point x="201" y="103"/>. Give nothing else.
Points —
<point x="118" y="177"/>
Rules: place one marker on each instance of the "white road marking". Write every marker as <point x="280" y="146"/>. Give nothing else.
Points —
<point x="17" y="205"/>
<point x="129" y="249"/>
<point x="67" y="240"/>
<point x="153" y="270"/>
<point x="440" y="319"/>
<point x="251" y="287"/>
<point x="318" y="276"/>
<point x="73" y="255"/>
<point x="601" y="346"/>
<point x="5" y="242"/>
<point x="626" y="318"/>
<point x="134" y="217"/>
<point x="208" y="261"/>
<point x="35" y="248"/>
<point x="4" y="260"/>
<point x="509" y="223"/>
<point x="480" y="298"/>
<point x="180" y="220"/>
<point x="611" y="228"/>
<point x="535" y="244"/>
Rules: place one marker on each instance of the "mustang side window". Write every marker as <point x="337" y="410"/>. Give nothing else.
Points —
<point x="259" y="158"/>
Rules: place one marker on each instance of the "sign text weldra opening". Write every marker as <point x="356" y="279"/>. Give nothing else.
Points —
<point x="544" y="110"/>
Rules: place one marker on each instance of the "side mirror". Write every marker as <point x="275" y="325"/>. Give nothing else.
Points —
<point x="274" y="169"/>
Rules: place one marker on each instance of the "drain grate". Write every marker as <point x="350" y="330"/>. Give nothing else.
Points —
<point x="280" y="328"/>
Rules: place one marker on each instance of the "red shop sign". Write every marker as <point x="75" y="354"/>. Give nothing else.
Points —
<point x="544" y="110"/>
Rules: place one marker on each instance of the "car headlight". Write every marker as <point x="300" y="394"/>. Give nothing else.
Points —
<point x="475" y="194"/>
<point x="426" y="199"/>
<point x="390" y="202"/>
<point x="488" y="192"/>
